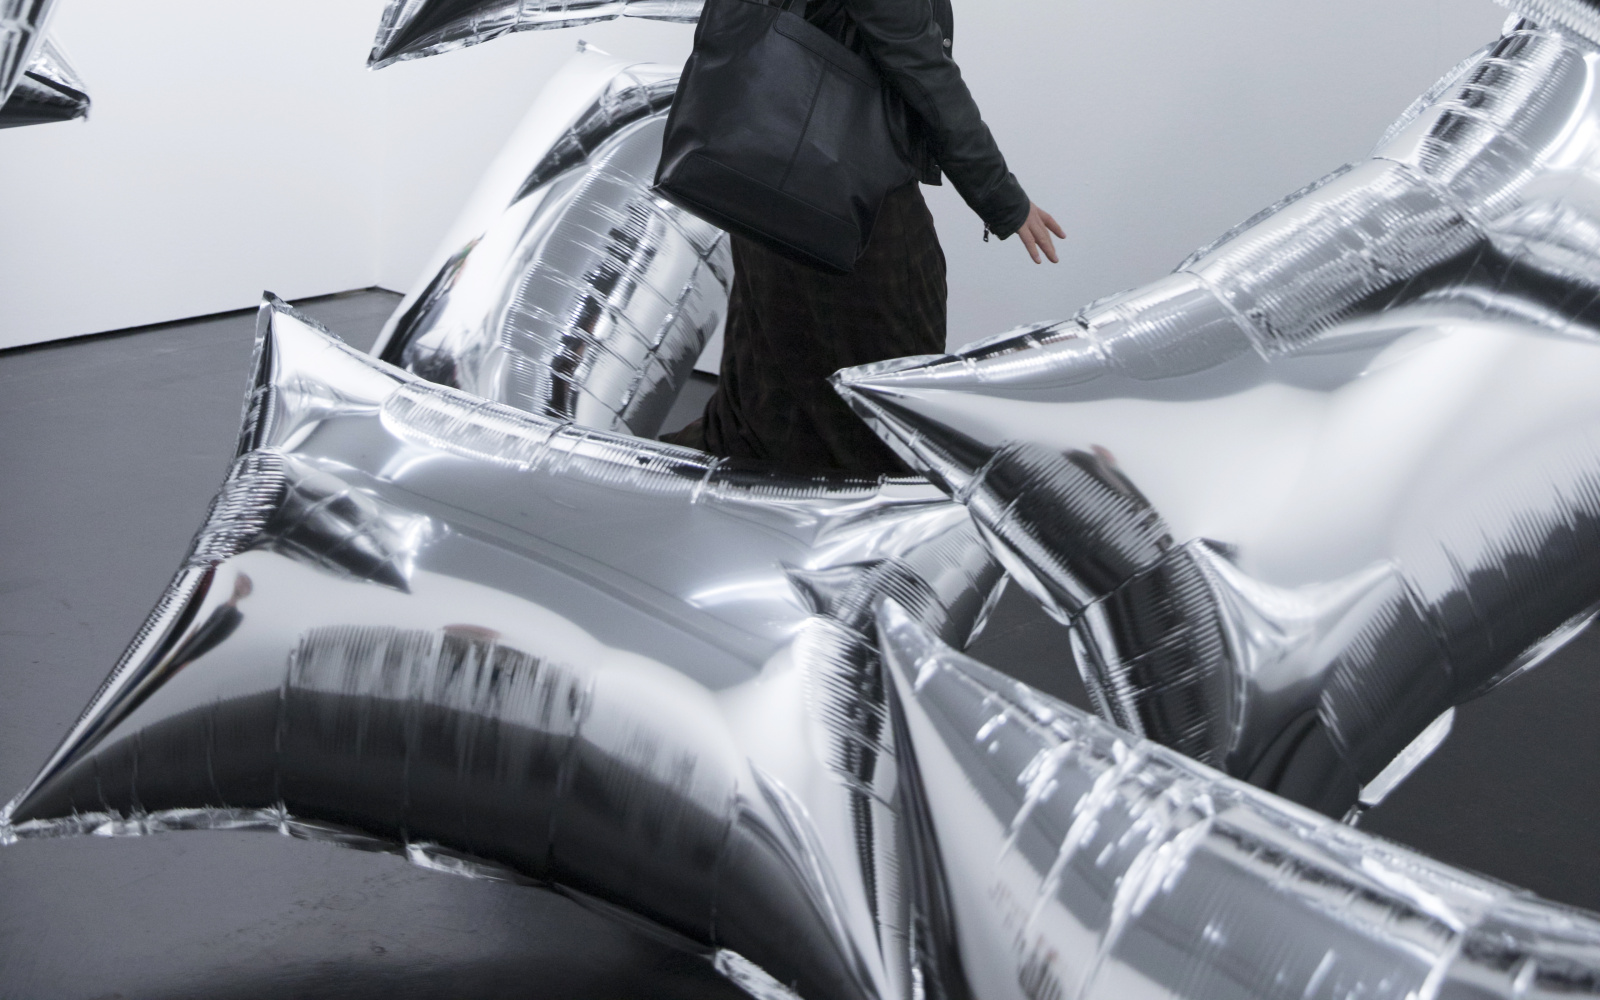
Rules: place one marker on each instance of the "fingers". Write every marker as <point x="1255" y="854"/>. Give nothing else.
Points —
<point x="1035" y="235"/>
<point x="1037" y="242"/>
<point x="1037" y="238"/>
<point x="1029" y="240"/>
<point x="1047" y="244"/>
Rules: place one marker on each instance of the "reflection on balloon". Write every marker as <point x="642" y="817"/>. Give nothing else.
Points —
<point x="423" y="622"/>
<point x="1297" y="500"/>
<point x="1341" y="470"/>
<point x="1063" y="858"/>
<point x="22" y="26"/>
<point x="49" y="91"/>
<point x="1581" y="16"/>
<point x="568" y="289"/>
<point x="412" y="29"/>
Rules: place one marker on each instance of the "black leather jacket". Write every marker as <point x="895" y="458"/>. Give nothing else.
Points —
<point x="911" y="40"/>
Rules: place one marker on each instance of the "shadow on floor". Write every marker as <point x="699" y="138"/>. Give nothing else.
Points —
<point x="111" y="448"/>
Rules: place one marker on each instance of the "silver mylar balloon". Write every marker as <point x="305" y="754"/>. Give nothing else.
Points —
<point x="568" y="288"/>
<point x="1340" y="471"/>
<point x="412" y="29"/>
<point x="1581" y="16"/>
<point x="1060" y="858"/>
<point x="506" y="646"/>
<point x="49" y="91"/>
<point x="22" y="25"/>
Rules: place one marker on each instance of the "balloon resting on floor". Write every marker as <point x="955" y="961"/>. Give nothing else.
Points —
<point x="567" y="288"/>
<point x="412" y="610"/>
<point x="1076" y="860"/>
<point x="1336" y="474"/>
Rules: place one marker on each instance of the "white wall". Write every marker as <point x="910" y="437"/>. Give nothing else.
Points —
<point x="227" y="151"/>
<point x="239" y="147"/>
<point x="447" y="116"/>
<point x="1149" y="127"/>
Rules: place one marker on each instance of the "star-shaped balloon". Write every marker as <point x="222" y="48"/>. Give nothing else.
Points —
<point x="22" y="27"/>
<point x="50" y="91"/>
<point x="567" y="288"/>
<point x="423" y="622"/>
<point x="412" y="29"/>
<point x="1337" y="473"/>
<point x="1069" y="859"/>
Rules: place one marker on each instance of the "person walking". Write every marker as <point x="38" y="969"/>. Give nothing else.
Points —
<point x="790" y="326"/>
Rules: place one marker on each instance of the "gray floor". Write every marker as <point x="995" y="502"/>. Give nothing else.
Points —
<point x="110" y="449"/>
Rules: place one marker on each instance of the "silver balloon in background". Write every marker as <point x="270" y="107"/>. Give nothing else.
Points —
<point x="1341" y="470"/>
<point x="1581" y="16"/>
<point x="567" y="288"/>
<point x="1058" y="857"/>
<point x="50" y="91"/>
<point x="504" y="646"/>
<point x="22" y="26"/>
<point x="412" y="29"/>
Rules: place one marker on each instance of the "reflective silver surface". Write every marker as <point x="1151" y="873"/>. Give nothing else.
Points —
<point x="1580" y="16"/>
<point x="1337" y="473"/>
<point x="412" y="29"/>
<point x="568" y="289"/>
<point x="1059" y="857"/>
<point x="505" y="646"/>
<point x="22" y="27"/>
<point x="50" y="91"/>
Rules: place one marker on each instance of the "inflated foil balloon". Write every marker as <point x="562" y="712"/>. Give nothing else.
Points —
<point x="1581" y="16"/>
<point x="22" y="25"/>
<point x="411" y="29"/>
<point x="49" y="91"/>
<point x="1059" y="857"/>
<point x="1340" y="471"/>
<point x="420" y="621"/>
<point x="568" y="288"/>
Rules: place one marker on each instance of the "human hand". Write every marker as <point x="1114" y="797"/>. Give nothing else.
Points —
<point x="1036" y="232"/>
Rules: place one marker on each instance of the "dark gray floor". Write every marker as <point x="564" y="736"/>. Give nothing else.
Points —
<point x="1512" y="794"/>
<point x="110" y="449"/>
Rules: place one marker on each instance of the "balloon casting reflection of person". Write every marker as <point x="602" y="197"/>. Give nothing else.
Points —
<point x="791" y="326"/>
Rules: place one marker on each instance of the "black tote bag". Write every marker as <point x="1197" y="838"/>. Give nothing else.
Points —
<point x="783" y="135"/>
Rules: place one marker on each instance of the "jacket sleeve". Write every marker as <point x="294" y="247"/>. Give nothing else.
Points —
<point x="905" y="40"/>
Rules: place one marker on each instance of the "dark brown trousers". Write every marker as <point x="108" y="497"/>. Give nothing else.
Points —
<point x="790" y="327"/>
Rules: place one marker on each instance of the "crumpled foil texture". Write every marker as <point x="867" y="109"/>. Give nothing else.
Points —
<point x="50" y="91"/>
<point x="568" y="289"/>
<point x="505" y="646"/>
<point x="413" y="29"/>
<point x="1060" y="857"/>
<point x="1580" y="16"/>
<point x="22" y="27"/>
<point x="1337" y="473"/>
